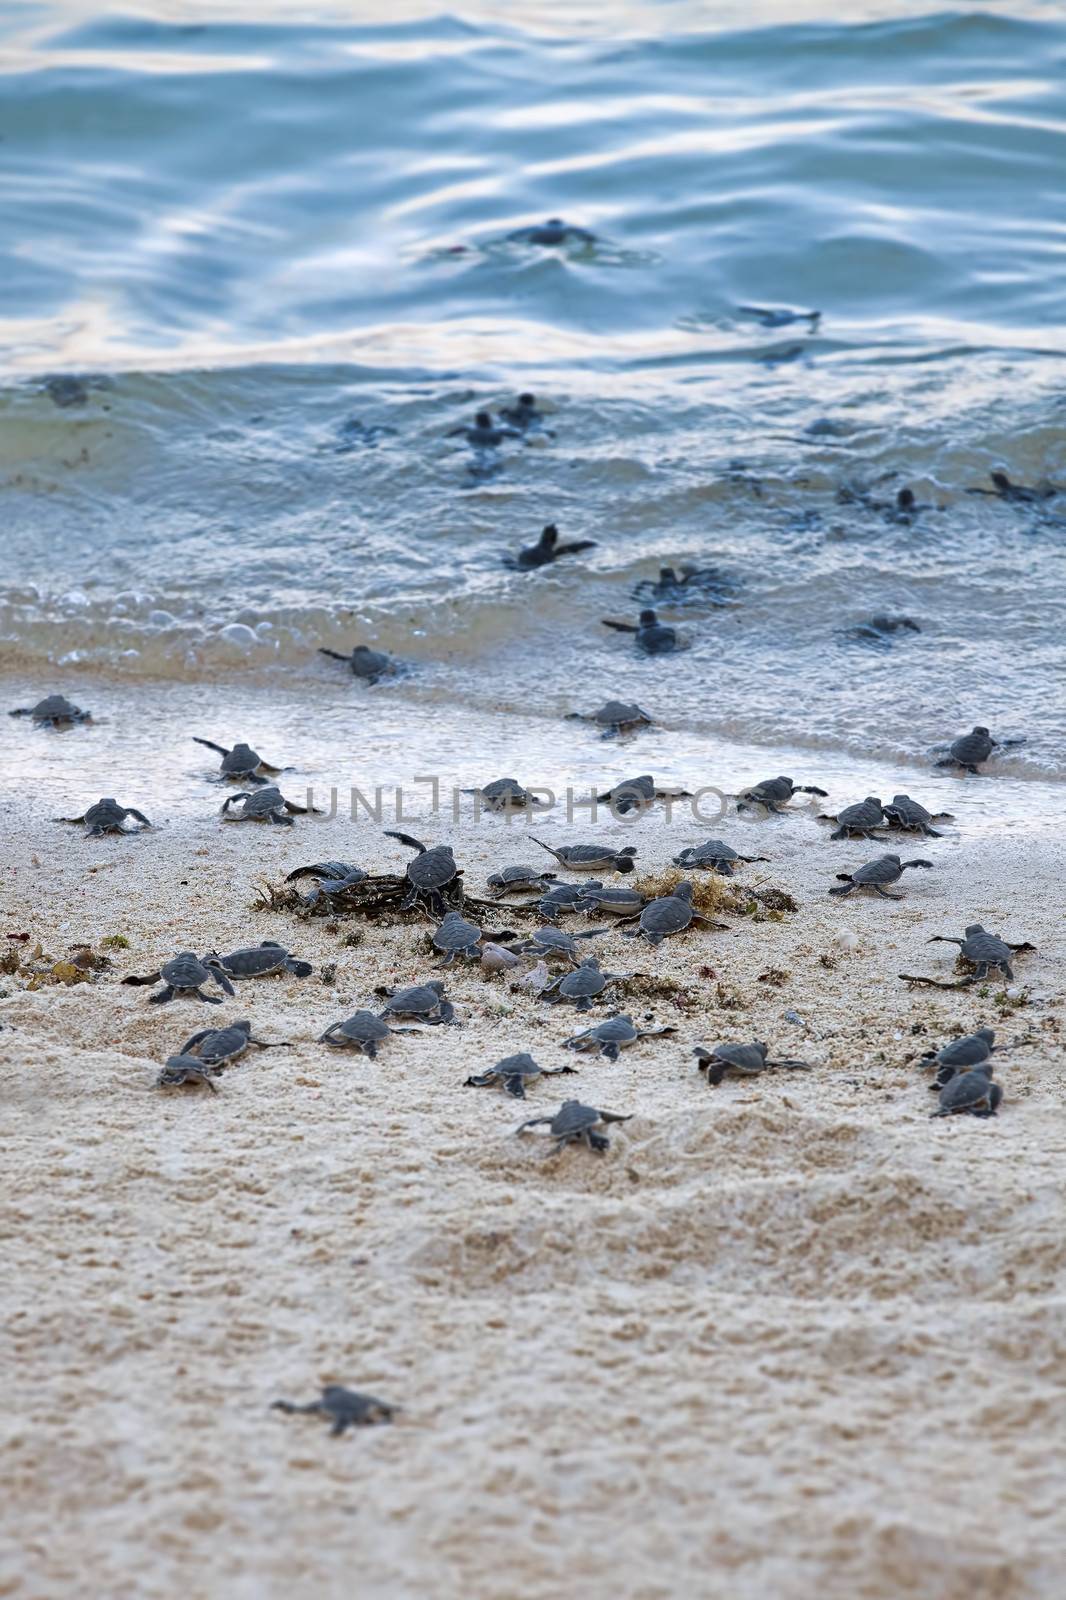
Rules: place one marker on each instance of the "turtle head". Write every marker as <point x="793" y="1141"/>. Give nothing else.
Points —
<point x="527" y="401"/>
<point x="763" y="1049"/>
<point x="974" y="927"/>
<point x="873" y="800"/>
<point x="683" y="891"/>
<point x="905" y="499"/>
<point x="648" y="618"/>
<point x="667" y="575"/>
<point x="437" y="987"/>
<point x="983" y="731"/>
<point x="891" y="856"/>
<point x="484" y="419"/>
<point x="243" y="1024"/>
<point x="549" y="536"/>
<point x="987" y="1034"/>
<point x="1001" y="479"/>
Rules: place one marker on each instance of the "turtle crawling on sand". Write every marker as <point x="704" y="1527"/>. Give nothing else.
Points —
<point x="637" y="794"/>
<point x="264" y="805"/>
<point x="970" y="1094"/>
<point x="615" y="1033"/>
<point x="857" y="821"/>
<point x="614" y="717"/>
<point x="107" y="816"/>
<point x="773" y="794"/>
<point x="591" y="857"/>
<point x="457" y="937"/>
<point x="344" y="1408"/>
<point x="875" y="874"/>
<point x="575" y="1123"/>
<point x="715" y="855"/>
<point x="221" y="1046"/>
<point x="513" y="1073"/>
<point x="909" y="817"/>
<point x="261" y="961"/>
<point x="746" y="1060"/>
<point x="983" y="951"/>
<point x="333" y="878"/>
<point x="364" y="1030"/>
<point x="429" y="873"/>
<point x="549" y="941"/>
<point x="424" y="1002"/>
<point x="185" y="975"/>
<point x="54" y="711"/>
<point x="582" y="986"/>
<point x="241" y="764"/>
<point x="961" y="1054"/>
<point x="671" y="913"/>
<point x="519" y="880"/>
<point x="182" y="1070"/>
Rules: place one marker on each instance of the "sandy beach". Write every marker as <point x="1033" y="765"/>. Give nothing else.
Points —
<point x="787" y="1336"/>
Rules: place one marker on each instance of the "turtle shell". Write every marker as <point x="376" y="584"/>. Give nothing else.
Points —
<point x="886" y="869"/>
<point x="748" y="1057"/>
<point x="105" y="814"/>
<point x="255" y="961"/>
<point x="221" y="1044"/>
<point x="618" y="1029"/>
<point x="56" y="708"/>
<point x="973" y="747"/>
<point x="362" y="1027"/>
<point x="983" y="947"/>
<point x="770" y="789"/>
<point x="262" y="802"/>
<point x="670" y="914"/>
<point x="455" y="933"/>
<point x="512" y="876"/>
<point x="968" y="1051"/>
<point x="554" y="939"/>
<point x="587" y="979"/>
<point x="521" y="1065"/>
<point x="706" y="854"/>
<point x="864" y="814"/>
<point x="969" y="1091"/>
<point x="621" y="902"/>
<point x="242" y="759"/>
<point x="185" y="971"/>
<point x="907" y="813"/>
<point x="618" y="714"/>
<point x="433" y="868"/>
<point x="420" y="999"/>
<point x="573" y="1117"/>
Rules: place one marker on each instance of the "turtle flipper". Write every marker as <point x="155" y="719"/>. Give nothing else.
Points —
<point x="165" y="994"/>
<point x="406" y="838"/>
<point x="219" y="748"/>
<point x="882" y="892"/>
<point x="138" y="982"/>
<point x="139" y="816"/>
<point x="620" y="627"/>
<point x="335" y="655"/>
<point x="68" y="819"/>
<point x="196" y="1038"/>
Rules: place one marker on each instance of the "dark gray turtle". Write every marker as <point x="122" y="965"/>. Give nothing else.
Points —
<point x="503" y="794"/>
<point x="241" y="764"/>
<point x="575" y="1123"/>
<point x="263" y="805"/>
<point x="363" y="1029"/>
<point x="423" y="1001"/>
<point x="107" y="816"/>
<point x="614" y="717"/>
<point x="906" y="814"/>
<point x="582" y="986"/>
<point x="523" y="415"/>
<point x="591" y="857"/>
<point x="261" y="960"/>
<point x="220" y="1046"/>
<point x="553" y="232"/>
<point x="546" y="550"/>
<point x="485" y="434"/>
<point x="651" y="637"/>
<point x="968" y="751"/>
<point x="368" y="665"/>
<point x="875" y="874"/>
<point x="858" y="821"/>
<point x="1004" y="488"/>
<point x="746" y="1060"/>
<point x="429" y="873"/>
<point x="185" y="974"/>
<point x="513" y="1073"/>
<point x="344" y="1408"/>
<point x="612" y="1035"/>
<point x="774" y="793"/>
<point x="556" y="942"/>
<point x="54" y="711"/>
<point x="457" y="937"/>
<point x="671" y="913"/>
<point x="780" y="316"/>
<point x="970" y="1094"/>
<point x="519" y="880"/>
<point x="983" y="950"/>
<point x="564" y="897"/>
<point x="622" y="902"/>
<point x="333" y="878"/>
<point x="700" y="585"/>
<point x="880" y="629"/>
<point x="961" y="1054"/>
<point x="182" y="1070"/>
<point x="637" y="794"/>
<point x="715" y="855"/>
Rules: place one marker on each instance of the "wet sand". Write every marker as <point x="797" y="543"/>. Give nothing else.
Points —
<point x="788" y="1336"/>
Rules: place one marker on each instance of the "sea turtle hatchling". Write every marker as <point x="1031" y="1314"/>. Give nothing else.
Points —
<point x="561" y="897"/>
<point x="703" y="585"/>
<point x="264" y="805"/>
<point x="513" y="1073"/>
<point x="669" y="914"/>
<point x="614" y="717"/>
<point x="429" y="873"/>
<point x="591" y="857"/>
<point x="970" y="750"/>
<point x="343" y="1408"/>
<point x="596" y="899"/>
<point x="519" y="880"/>
<point x="364" y="1030"/>
<point x="551" y="941"/>
<point x="185" y="975"/>
<point x="54" y="711"/>
<point x="875" y="874"/>
<point x="424" y="1002"/>
<point x="484" y="433"/>
<point x="637" y="794"/>
<point x="503" y="794"/>
<point x="970" y="1093"/>
<point x="221" y="1046"/>
<point x="773" y="794"/>
<point x="333" y="878"/>
<point x="582" y="986"/>
<point x="546" y="550"/>
<point x="457" y="937"/>
<point x="909" y="817"/>
<point x="961" y="1054"/>
<point x="575" y="1123"/>
<point x="746" y="1060"/>
<point x="612" y="1035"/>
<point x="555" y="231"/>
<point x="858" y="821"/>
<point x="524" y="414"/>
<point x="984" y="951"/>
<point x="241" y="764"/>
<point x="370" y="666"/>
<point x="181" y="1070"/>
<point x="651" y="637"/>
<point x="107" y="816"/>
<point x="261" y="961"/>
<point x="714" y="855"/>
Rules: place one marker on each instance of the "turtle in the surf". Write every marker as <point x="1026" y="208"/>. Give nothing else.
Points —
<point x="333" y="877"/>
<point x="611" y="1035"/>
<point x="263" y="805"/>
<point x="484" y="433"/>
<point x="422" y="1002"/>
<point x="368" y="665"/>
<point x="651" y="637"/>
<point x="428" y="875"/>
<point x="456" y="937"/>
<point x="241" y="764"/>
<point x="575" y="1123"/>
<point x="1005" y="488"/>
<point x="221" y="1046"/>
<point x="745" y="1060"/>
<point x="970" y="1093"/>
<point x="614" y="718"/>
<point x="179" y="1071"/>
<point x="714" y="855"/>
<point x="519" y="879"/>
<point x="908" y="816"/>
<point x="780" y="316"/>
<point x="879" y="629"/>
<point x="342" y="1408"/>
<point x="261" y="961"/>
<point x="970" y="750"/>
<point x="524" y="414"/>
<point x="555" y="231"/>
<point x="669" y="914"/>
<point x="591" y="857"/>
<point x="363" y="1031"/>
<point x="637" y="794"/>
<point x="503" y="794"/>
<point x="859" y="820"/>
<point x="985" y="952"/>
<point x="185" y="975"/>
<point x="876" y="874"/>
<point x="546" y="550"/>
<point x="107" y="816"/>
<point x="596" y="899"/>
<point x="773" y="794"/>
<point x="54" y="711"/>
<point x="513" y="1073"/>
<point x="582" y="986"/>
<point x="687" y="586"/>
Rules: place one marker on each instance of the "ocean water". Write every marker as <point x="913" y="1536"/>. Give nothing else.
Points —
<point x="254" y="271"/>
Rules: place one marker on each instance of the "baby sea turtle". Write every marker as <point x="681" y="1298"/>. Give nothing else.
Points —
<point x="591" y="857"/>
<point x="582" y="986"/>
<point x="612" y="1035"/>
<point x="670" y="914"/>
<point x="984" y="951"/>
<point x="333" y="878"/>
<point x="1004" y="488"/>
<point x="715" y="855"/>
<point x="575" y="1123"/>
<point x="595" y="899"/>
<point x="485" y="434"/>
<point x="345" y="1408"/>
<point x="219" y="1046"/>
<point x="970" y="1093"/>
<point x="523" y="415"/>
<point x="261" y="960"/>
<point x="875" y="874"/>
<point x="553" y="232"/>
<point x="457" y="937"/>
<point x="961" y="1054"/>
<point x="746" y="1060"/>
<point x="906" y="814"/>
<point x="429" y="873"/>
<point x="708" y="585"/>
<point x="556" y="942"/>
<point x="519" y="880"/>
<point x="563" y="897"/>
<point x="780" y="316"/>
<point x="423" y="1001"/>
<point x="363" y="1029"/>
<point x="185" y="975"/>
<point x="54" y="711"/>
<point x="857" y="821"/>
<point x="263" y="805"/>
<point x="773" y="793"/>
<point x="879" y="629"/>
<point x="181" y="1070"/>
<point x="513" y="1073"/>
<point x="368" y="665"/>
<point x="968" y="751"/>
<point x="636" y="794"/>
<point x="546" y="550"/>
<point x="651" y="637"/>
<point x="503" y="794"/>
<point x="615" y="717"/>
<point x="242" y="763"/>
<point x="107" y="816"/>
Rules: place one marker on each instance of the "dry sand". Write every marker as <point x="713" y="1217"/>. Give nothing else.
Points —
<point x="786" y="1338"/>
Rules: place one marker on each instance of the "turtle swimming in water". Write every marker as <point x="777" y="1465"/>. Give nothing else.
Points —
<point x="264" y="805"/>
<point x="241" y="764"/>
<point x="780" y="316"/>
<point x="615" y="717"/>
<point x="591" y="857"/>
<point x="612" y="1035"/>
<point x="858" y="821"/>
<point x="670" y="913"/>
<point x="343" y="1408"/>
<point x="575" y="1123"/>
<point x="364" y="1030"/>
<point x="651" y="637"/>
<point x="582" y="986"/>
<point x="485" y="434"/>
<point x="424" y="1002"/>
<point x="909" y="817"/>
<point x="773" y="794"/>
<point x="519" y="880"/>
<point x="261" y="961"/>
<point x="370" y="666"/>
<point x="715" y="855"/>
<point x="185" y="974"/>
<point x="875" y="874"/>
<point x="107" y="816"/>
<point x="553" y="232"/>
<point x="524" y="415"/>
<point x="746" y="1060"/>
<point x="220" y="1046"/>
<point x="702" y="585"/>
<point x="1004" y="488"/>
<point x="637" y="794"/>
<point x="983" y="951"/>
<point x="970" y="1093"/>
<point x="182" y="1069"/>
<point x="54" y="711"/>
<point x="546" y="550"/>
<point x="513" y="1073"/>
<point x="427" y="875"/>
